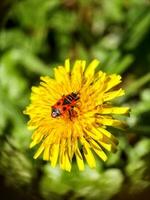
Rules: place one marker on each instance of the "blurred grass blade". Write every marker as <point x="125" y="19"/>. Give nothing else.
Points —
<point x="15" y="57"/>
<point x="136" y="85"/>
<point x="138" y="32"/>
<point x="123" y="65"/>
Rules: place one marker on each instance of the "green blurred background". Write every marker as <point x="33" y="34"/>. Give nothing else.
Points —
<point x="36" y="35"/>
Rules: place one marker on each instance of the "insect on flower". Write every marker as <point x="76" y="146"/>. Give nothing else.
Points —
<point x="70" y="113"/>
<point x="65" y="105"/>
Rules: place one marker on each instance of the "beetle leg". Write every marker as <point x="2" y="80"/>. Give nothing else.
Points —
<point x="70" y="114"/>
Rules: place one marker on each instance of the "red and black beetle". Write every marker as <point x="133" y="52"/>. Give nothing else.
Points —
<point x="64" y="105"/>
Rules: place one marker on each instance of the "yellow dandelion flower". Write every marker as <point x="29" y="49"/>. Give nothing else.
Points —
<point x="70" y="114"/>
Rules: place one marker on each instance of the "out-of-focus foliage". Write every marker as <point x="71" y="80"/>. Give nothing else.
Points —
<point x="36" y="35"/>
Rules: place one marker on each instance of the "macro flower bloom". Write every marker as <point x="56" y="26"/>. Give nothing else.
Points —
<point x="65" y="138"/>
